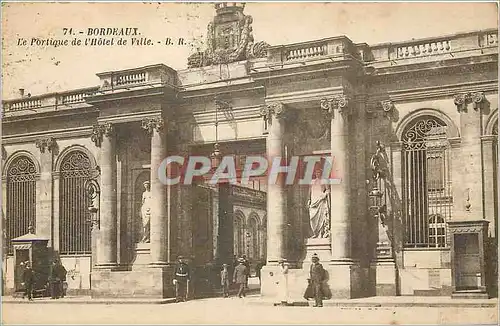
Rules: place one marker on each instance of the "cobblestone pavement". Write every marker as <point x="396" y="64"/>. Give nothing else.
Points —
<point x="237" y="311"/>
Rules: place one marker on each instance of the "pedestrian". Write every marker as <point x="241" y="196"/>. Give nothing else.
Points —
<point x="258" y="269"/>
<point x="182" y="278"/>
<point x="224" y="280"/>
<point x="240" y="277"/>
<point x="247" y="264"/>
<point x="317" y="276"/>
<point x="57" y="274"/>
<point x="28" y="280"/>
<point x="284" y="266"/>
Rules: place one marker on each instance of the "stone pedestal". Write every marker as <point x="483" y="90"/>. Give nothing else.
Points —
<point x="321" y="247"/>
<point x="344" y="281"/>
<point x="154" y="283"/>
<point x="385" y="277"/>
<point x="142" y="256"/>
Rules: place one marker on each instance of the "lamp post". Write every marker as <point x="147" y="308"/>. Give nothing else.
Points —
<point x="378" y="199"/>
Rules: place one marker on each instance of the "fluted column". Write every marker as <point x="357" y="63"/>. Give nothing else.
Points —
<point x="104" y="137"/>
<point x="158" y="221"/>
<point x="338" y="111"/>
<point x="274" y="114"/>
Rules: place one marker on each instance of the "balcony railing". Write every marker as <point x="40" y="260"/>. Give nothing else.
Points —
<point x="52" y="101"/>
<point x="137" y="77"/>
<point x="332" y="47"/>
<point x="423" y="49"/>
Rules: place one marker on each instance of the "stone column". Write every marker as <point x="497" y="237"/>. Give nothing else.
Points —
<point x="273" y="114"/>
<point x="44" y="188"/>
<point x="337" y="108"/>
<point x="468" y="200"/>
<point x="103" y="136"/>
<point x="158" y="223"/>
<point x="346" y="280"/>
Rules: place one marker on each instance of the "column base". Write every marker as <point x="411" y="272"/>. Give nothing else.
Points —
<point x="385" y="277"/>
<point x="345" y="278"/>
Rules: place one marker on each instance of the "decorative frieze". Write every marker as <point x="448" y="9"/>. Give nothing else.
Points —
<point x="100" y="130"/>
<point x="150" y="124"/>
<point x="45" y="143"/>
<point x="461" y="100"/>
<point x="276" y="109"/>
<point x="338" y="103"/>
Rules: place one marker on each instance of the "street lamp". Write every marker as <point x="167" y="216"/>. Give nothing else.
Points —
<point x="93" y="191"/>
<point x="378" y="199"/>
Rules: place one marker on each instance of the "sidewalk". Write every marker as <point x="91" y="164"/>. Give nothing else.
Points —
<point x="401" y="301"/>
<point x="86" y="300"/>
<point x="396" y="301"/>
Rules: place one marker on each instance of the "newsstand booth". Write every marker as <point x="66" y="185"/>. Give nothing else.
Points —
<point x="33" y="249"/>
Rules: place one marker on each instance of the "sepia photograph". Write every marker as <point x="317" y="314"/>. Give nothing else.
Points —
<point x="249" y="163"/>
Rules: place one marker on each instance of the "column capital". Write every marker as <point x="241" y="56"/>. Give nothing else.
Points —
<point x="338" y="103"/>
<point x="461" y="100"/>
<point x="45" y="143"/>
<point x="100" y="130"/>
<point x="151" y="124"/>
<point x="276" y="109"/>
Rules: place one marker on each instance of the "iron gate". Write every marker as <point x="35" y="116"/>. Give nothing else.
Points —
<point x="427" y="197"/>
<point x="74" y="226"/>
<point x="21" y="198"/>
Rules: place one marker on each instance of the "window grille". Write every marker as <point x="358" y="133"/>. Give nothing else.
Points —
<point x="21" y="198"/>
<point x="74" y="219"/>
<point x="426" y="183"/>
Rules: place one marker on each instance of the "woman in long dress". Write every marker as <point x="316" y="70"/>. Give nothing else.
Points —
<point x="319" y="208"/>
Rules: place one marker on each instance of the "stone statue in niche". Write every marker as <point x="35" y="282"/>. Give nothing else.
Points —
<point x="146" y="212"/>
<point x="319" y="207"/>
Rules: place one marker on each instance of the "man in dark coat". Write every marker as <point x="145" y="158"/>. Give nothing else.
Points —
<point x="240" y="277"/>
<point x="29" y="280"/>
<point x="317" y="276"/>
<point x="182" y="277"/>
<point x="57" y="275"/>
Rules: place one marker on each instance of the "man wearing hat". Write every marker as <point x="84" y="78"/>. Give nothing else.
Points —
<point x="28" y="280"/>
<point x="240" y="277"/>
<point x="224" y="280"/>
<point x="317" y="276"/>
<point x="182" y="278"/>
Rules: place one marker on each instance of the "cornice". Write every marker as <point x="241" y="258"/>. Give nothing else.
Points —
<point x="131" y="117"/>
<point x="56" y="134"/>
<point x="307" y="95"/>
<point x="448" y="91"/>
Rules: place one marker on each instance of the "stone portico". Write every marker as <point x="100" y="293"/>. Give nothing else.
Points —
<point x="327" y="98"/>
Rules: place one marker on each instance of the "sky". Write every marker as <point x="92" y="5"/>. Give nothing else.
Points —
<point x="42" y="69"/>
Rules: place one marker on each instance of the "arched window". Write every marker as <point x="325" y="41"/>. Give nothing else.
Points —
<point x="239" y="233"/>
<point x="74" y="218"/>
<point x="21" y="198"/>
<point x="437" y="231"/>
<point x="426" y="179"/>
<point x="253" y="231"/>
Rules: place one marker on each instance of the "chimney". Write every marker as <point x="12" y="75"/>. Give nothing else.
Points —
<point x="21" y="92"/>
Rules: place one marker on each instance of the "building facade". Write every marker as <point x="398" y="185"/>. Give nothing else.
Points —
<point x="432" y="104"/>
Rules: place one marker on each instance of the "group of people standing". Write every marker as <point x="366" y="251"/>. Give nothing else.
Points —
<point x="57" y="277"/>
<point x="239" y="276"/>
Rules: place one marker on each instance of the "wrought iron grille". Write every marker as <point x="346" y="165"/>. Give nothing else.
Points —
<point x="427" y="196"/>
<point x="21" y="198"/>
<point x="74" y="226"/>
<point x="239" y="234"/>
